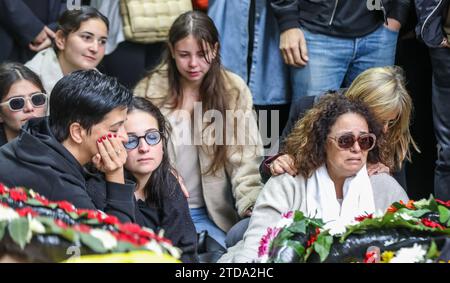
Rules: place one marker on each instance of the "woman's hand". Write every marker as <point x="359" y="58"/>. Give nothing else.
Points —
<point x="111" y="158"/>
<point x="248" y="212"/>
<point x="377" y="168"/>
<point x="283" y="164"/>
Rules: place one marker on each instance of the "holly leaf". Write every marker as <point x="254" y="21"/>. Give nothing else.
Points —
<point x="432" y="251"/>
<point x="93" y="243"/>
<point x="298" y="227"/>
<point x="322" y="246"/>
<point x="19" y="230"/>
<point x="298" y="215"/>
<point x="297" y="247"/>
<point x="444" y="214"/>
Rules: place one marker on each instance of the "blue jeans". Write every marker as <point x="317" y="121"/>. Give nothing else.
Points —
<point x="202" y="222"/>
<point x="335" y="62"/>
<point x="440" y="61"/>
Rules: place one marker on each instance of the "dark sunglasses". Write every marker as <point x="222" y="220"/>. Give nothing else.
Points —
<point x="18" y="103"/>
<point x="346" y="141"/>
<point x="151" y="138"/>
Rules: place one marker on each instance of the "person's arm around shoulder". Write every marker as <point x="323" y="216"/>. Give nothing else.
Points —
<point x="245" y="156"/>
<point x="281" y="194"/>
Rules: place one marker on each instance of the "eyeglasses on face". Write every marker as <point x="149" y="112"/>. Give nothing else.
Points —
<point x="347" y="140"/>
<point x="151" y="138"/>
<point x="17" y="103"/>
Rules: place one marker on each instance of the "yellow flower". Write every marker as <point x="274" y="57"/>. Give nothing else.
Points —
<point x="387" y="256"/>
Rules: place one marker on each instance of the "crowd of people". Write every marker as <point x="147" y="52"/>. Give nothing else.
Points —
<point x="173" y="142"/>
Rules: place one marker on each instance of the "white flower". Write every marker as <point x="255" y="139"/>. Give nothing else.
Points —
<point x="7" y="213"/>
<point x="36" y="226"/>
<point x="413" y="254"/>
<point x="336" y="227"/>
<point x="107" y="239"/>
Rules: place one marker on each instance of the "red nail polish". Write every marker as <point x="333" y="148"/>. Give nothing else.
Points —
<point x="104" y="137"/>
<point x="109" y="136"/>
<point x="99" y="140"/>
<point x="115" y="135"/>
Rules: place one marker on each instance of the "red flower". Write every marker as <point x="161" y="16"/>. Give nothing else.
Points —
<point x="42" y="200"/>
<point x="3" y="189"/>
<point x="25" y="211"/>
<point x="391" y="209"/>
<point x="112" y="220"/>
<point x="447" y="204"/>
<point x="18" y="195"/>
<point x="82" y="228"/>
<point x="66" y="206"/>
<point x="370" y="257"/>
<point x="61" y="224"/>
<point x="432" y="224"/>
<point x="130" y="228"/>
<point x="91" y="214"/>
<point x="363" y="217"/>
<point x="313" y="238"/>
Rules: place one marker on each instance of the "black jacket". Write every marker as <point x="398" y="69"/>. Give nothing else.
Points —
<point x="172" y="216"/>
<point x="21" y="21"/>
<point x="342" y="18"/>
<point x="36" y="160"/>
<point x="431" y="15"/>
<point x="3" y="139"/>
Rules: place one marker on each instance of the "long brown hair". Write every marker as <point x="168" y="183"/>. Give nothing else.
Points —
<point x="213" y="89"/>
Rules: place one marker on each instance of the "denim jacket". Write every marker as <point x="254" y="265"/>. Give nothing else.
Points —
<point x="268" y="78"/>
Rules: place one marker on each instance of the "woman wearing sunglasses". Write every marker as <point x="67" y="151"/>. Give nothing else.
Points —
<point x="79" y="44"/>
<point x="22" y="98"/>
<point x="331" y="146"/>
<point x="161" y="203"/>
<point x="383" y="91"/>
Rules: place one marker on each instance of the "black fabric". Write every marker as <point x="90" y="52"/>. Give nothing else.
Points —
<point x="36" y="160"/>
<point x="3" y="139"/>
<point x="21" y="21"/>
<point x="209" y="250"/>
<point x="174" y="218"/>
<point x="349" y="18"/>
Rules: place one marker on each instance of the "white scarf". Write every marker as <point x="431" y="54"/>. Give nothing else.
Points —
<point x="322" y="203"/>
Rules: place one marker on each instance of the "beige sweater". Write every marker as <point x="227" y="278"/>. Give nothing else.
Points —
<point x="234" y="189"/>
<point x="285" y="193"/>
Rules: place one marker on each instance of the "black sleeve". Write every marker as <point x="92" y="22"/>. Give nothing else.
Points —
<point x="399" y="10"/>
<point x="19" y="20"/>
<point x="287" y="13"/>
<point x="177" y="223"/>
<point x="120" y="201"/>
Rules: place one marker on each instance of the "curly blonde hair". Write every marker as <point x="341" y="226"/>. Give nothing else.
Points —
<point x="307" y="141"/>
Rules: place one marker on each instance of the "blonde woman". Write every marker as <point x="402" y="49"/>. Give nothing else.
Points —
<point x="383" y="90"/>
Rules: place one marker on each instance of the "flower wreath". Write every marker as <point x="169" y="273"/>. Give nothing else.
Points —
<point x="57" y="231"/>
<point x="413" y="232"/>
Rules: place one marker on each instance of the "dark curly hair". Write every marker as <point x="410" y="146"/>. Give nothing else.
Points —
<point x="307" y="141"/>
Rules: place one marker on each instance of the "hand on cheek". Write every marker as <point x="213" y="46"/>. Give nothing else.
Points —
<point x="110" y="158"/>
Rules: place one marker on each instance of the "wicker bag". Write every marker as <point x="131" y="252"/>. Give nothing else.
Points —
<point x="148" y="21"/>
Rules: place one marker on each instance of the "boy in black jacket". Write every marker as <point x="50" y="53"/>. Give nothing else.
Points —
<point x="86" y="124"/>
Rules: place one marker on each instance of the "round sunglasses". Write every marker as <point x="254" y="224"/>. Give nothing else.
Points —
<point x="151" y="138"/>
<point x="347" y="140"/>
<point x="17" y="103"/>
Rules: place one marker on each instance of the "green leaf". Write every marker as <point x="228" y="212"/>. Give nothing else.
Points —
<point x="413" y="213"/>
<point x="298" y="215"/>
<point x="93" y="243"/>
<point x="322" y="246"/>
<point x="433" y="251"/>
<point x="70" y="235"/>
<point x="298" y="227"/>
<point x="297" y="247"/>
<point x="125" y="247"/>
<point x="34" y="202"/>
<point x="3" y="229"/>
<point x="444" y="214"/>
<point x="19" y="230"/>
